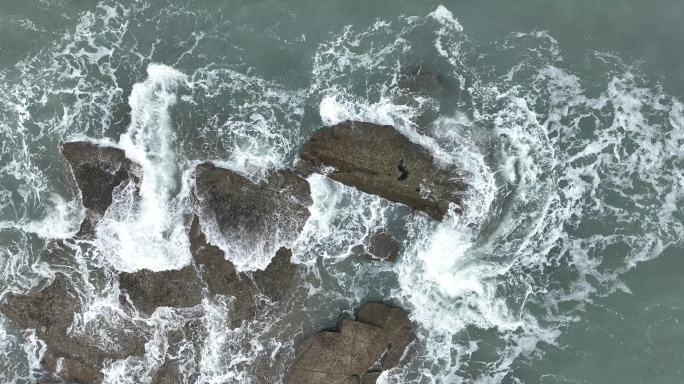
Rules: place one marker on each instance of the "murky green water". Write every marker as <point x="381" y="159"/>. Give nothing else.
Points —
<point x="564" y="268"/>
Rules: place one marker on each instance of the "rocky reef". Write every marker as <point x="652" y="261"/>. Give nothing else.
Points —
<point x="75" y="357"/>
<point x="260" y="214"/>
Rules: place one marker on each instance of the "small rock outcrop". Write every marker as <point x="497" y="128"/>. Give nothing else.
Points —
<point x="377" y="159"/>
<point x="257" y="215"/>
<point x="175" y="288"/>
<point x="419" y="83"/>
<point x="421" y="80"/>
<point x="97" y="170"/>
<point x="380" y="246"/>
<point x="375" y="342"/>
<point x="50" y="312"/>
<point x="275" y="282"/>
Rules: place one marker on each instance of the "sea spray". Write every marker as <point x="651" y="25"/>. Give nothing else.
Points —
<point x="148" y="231"/>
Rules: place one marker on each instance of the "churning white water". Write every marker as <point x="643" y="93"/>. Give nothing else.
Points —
<point x="563" y="170"/>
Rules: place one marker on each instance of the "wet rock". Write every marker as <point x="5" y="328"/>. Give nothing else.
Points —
<point x="278" y="280"/>
<point x="48" y="380"/>
<point x="98" y="171"/>
<point x="379" y="160"/>
<point x="347" y="355"/>
<point x="168" y="373"/>
<point x="257" y="216"/>
<point x="421" y="80"/>
<point x="179" y="352"/>
<point x="50" y="312"/>
<point x="149" y="290"/>
<point x="370" y="378"/>
<point x="379" y="246"/>
<point x="436" y="95"/>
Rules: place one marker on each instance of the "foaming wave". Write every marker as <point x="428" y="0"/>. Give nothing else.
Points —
<point x="148" y="231"/>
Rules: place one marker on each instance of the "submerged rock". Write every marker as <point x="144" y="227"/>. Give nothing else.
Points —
<point x="421" y="84"/>
<point x="421" y="80"/>
<point x="278" y="280"/>
<point x="256" y="216"/>
<point x="50" y="312"/>
<point x="98" y="171"/>
<point x="378" y="338"/>
<point x="377" y="159"/>
<point x="149" y="290"/>
<point x="380" y="246"/>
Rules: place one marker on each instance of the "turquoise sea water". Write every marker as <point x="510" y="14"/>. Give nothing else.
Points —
<point x="565" y="266"/>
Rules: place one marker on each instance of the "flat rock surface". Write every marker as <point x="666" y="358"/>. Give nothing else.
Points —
<point x="349" y="354"/>
<point x="379" y="160"/>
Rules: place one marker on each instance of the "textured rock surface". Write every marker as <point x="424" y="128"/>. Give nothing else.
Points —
<point x="255" y="216"/>
<point x="168" y="373"/>
<point x="379" y="160"/>
<point x="97" y="170"/>
<point x="50" y="312"/>
<point x="347" y="355"/>
<point x="177" y="353"/>
<point x="149" y="290"/>
<point x="278" y="280"/>
<point x="379" y="245"/>
<point x="370" y="378"/>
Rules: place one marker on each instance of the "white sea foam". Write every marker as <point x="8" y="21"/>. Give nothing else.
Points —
<point x="148" y="232"/>
<point x="545" y="159"/>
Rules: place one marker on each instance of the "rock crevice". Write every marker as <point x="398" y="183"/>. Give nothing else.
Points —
<point x="380" y="335"/>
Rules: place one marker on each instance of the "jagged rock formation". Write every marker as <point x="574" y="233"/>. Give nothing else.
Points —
<point x="278" y="280"/>
<point x="50" y="312"/>
<point x="254" y="211"/>
<point x="378" y="338"/>
<point x="260" y="216"/>
<point x="377" y="159"/>
<point x="98" y="171"/>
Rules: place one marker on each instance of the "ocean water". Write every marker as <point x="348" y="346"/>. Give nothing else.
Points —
<point x="563" y="267"/>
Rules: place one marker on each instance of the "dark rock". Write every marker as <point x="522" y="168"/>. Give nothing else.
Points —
<point x="48" y="380"/>
<point x="347" y="355"/>
<point x="420" y="80"/>
<point x="379" y="160"/>
<point x="277" y="281"/>
<point x="370" y="378"/>
<point x="149" y="290"/>
<point x="222" y="277"/>
<point x="380" y="246"/>
<point x="168" y="373"/>
<point x="98" y="171"/>
<point x="256" y="216"/>
<point x="445" y="93"/>
<point x="50" y="312"/>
